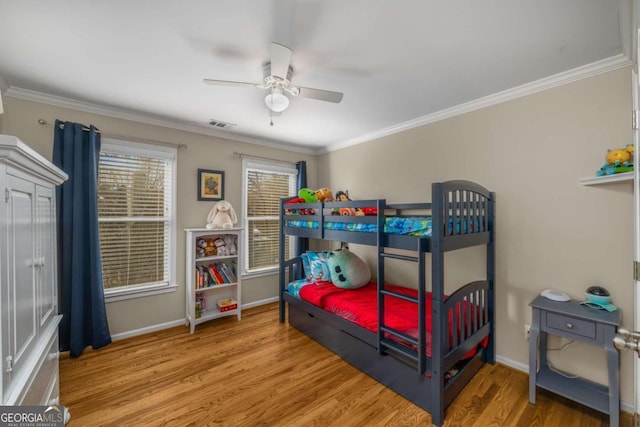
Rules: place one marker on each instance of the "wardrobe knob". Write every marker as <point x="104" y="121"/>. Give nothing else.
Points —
<point x="38" y="262"/>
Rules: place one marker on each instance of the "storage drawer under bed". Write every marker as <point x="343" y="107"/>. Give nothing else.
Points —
<point x="315" y="328"/>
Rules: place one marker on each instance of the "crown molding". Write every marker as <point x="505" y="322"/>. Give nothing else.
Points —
<point x="570" y="76"/>
<point x="135" y="116"/>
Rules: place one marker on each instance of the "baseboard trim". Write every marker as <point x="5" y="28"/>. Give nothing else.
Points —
<point x="259" y="303"/>
<point x="149" y="329"/>
<point x="625" y="406"/>
<point x="178" y="322"/>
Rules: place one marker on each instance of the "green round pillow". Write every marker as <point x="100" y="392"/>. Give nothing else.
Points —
<point x="347" y="270"/>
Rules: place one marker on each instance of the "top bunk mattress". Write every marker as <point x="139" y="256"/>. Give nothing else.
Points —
<point x="402" y="226"/>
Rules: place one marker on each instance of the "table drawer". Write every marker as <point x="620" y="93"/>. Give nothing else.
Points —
<point x="571" y="326"/>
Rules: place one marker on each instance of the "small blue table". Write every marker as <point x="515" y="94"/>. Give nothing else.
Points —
<point x="574" y="321"/>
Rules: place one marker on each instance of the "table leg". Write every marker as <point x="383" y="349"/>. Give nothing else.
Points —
<point x="613" y="365"/>
<point x="534" y="332"/>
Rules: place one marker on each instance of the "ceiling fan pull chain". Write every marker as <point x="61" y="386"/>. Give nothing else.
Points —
<point x="271" y="109"/>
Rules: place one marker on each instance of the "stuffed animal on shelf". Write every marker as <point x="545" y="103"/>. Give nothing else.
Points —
<point x="201" y="246"/>
<point x="221" y="248"/>
<point x="210" y="249"/>
<point x="230" y="244"/>
<point x="347" y="270"/>
<point x="221" y="215"/>
<point x="619" y="160"/>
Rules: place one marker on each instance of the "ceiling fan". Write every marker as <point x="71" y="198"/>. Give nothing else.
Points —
<point x="277" y="79"/>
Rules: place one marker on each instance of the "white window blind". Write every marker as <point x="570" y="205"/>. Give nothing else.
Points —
<point x="136" y="216"/>
<point x="265" y="184"/>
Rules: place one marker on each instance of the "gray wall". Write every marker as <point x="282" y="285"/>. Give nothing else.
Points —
<point x="551" y="231"/>
<point x="20" y="119"/>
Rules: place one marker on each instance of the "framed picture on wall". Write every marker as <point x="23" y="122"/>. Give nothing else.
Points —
<point x="210" y="184"/>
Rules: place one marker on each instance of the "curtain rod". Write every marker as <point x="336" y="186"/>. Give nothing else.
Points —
<point x="251" y="156"/>
<point x="114" y="135"/>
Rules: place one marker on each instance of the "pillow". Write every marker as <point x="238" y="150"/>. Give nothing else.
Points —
<point x="315" y="266"/>
<point x="347" y="270"/>
<point x="294" y="287"/>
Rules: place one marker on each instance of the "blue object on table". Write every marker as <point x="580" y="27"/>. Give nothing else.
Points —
<point x="599" y="306"/>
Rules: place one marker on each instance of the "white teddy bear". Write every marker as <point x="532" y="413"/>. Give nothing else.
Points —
<point x="221" y="215"/>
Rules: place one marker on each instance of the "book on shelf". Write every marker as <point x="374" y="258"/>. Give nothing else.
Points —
<point x="213" y="270"/>
<point x="226" y="269"/>
<point x="223" y="273"/>
<point x="212" y="276"/>
<point x="204" y="278"/>
<point x="208" y="281"/>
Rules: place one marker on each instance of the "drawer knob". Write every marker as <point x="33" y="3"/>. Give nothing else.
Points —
<point x="569" y="325"/>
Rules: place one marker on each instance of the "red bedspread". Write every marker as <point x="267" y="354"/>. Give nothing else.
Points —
<point x="360" y="307"/>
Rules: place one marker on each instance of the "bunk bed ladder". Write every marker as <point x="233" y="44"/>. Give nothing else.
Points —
<point x="388" y="336"/>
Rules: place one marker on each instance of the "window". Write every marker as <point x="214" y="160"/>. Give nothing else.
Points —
<point x="264" y="184"/>
<point x="136" y="217"/>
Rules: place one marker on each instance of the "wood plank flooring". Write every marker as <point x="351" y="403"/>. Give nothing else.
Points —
<point x="258" y="372"/>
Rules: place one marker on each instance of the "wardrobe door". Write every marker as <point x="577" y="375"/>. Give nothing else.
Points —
<point x="45" y="255"/>
<point x="21" y="312"/>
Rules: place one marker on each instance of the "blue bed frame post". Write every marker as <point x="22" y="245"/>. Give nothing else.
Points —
<point x="281" y="275"/>
<point x="422" y="310"/>
<point x="437" y="296"/>
<point x="491" y="267"/>
<point x="380" y="270"/>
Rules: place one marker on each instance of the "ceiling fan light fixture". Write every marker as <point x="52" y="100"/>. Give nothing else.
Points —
<point x="276" y="101"/>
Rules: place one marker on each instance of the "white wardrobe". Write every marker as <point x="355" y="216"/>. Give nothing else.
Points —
<point x="28" y="277"/>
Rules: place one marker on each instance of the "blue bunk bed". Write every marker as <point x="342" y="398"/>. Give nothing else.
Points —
<point x="460" y="215"/>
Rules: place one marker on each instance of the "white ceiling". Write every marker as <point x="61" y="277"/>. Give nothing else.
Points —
<point x="397" y="62"/>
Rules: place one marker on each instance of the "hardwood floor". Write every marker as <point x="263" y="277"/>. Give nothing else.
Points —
<point x="258" y="372"/>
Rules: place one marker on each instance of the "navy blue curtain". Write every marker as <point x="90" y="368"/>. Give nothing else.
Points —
<point x="301" y="244"/>
<point x="76" y="151"/>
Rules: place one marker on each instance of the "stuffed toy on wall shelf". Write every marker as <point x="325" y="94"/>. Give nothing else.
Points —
<point x="618" y="160"/>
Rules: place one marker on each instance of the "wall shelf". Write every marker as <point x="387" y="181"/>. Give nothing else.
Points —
<point x="607" y="179"/>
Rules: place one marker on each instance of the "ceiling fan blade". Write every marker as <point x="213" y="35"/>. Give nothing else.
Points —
<point x="280" y="60"/>
<point x="228" y="83"/>
<point x="322" y="95"/>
